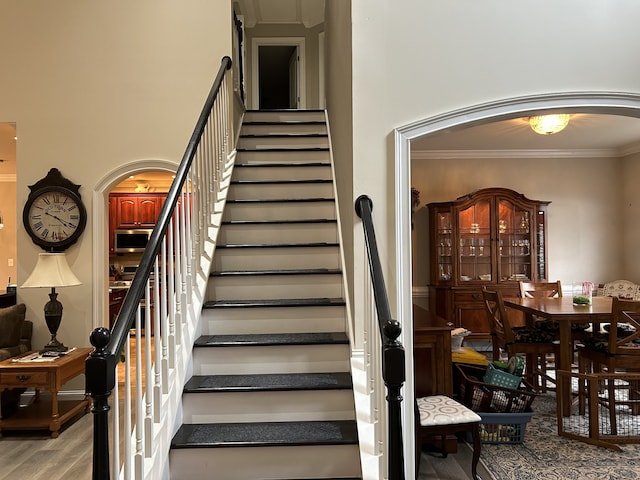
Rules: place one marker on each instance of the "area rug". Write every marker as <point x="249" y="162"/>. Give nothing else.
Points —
<point x="545" y="455"/>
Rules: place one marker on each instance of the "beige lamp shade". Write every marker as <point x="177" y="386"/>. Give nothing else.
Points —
<point x="52" y="270"/>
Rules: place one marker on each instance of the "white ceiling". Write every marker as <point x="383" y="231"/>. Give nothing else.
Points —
<point x="307" y="12"/>
<point x="610" y="134"/>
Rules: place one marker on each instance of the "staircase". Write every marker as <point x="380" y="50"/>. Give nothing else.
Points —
<point x="271" y="395"/>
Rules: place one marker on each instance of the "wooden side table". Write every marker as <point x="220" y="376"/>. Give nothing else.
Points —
<point x="43" y="413"/>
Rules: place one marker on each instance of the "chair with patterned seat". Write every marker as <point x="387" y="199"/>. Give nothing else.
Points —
<point x="440" y="415"/>
<point x="534" y="343"/>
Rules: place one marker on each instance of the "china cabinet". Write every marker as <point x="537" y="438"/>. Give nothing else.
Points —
<point x="492" y="237"/>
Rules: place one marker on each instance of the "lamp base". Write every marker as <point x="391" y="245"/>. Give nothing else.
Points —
<point x="53" y="317"/>
<point x="54" y="346"/>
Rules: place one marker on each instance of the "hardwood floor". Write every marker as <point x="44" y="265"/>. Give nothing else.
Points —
<point x="34" y="455"/>
<point x="455" y="467"/>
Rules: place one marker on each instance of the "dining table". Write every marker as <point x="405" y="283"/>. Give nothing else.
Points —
<point x="563" y="311"/>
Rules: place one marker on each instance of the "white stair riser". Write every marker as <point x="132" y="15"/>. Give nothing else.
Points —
<point x="284" y="116"/>
<point x="239" y="321"/>
<point x="273" y="258"/>
<point x="258" y="463"/>
<point x="274" y="287"/>
<point x="271" y="359"/>
<point x="283" y="128"/>
<point x="279" y="211"/>
<point x="286" y="406"/>
<point x="282" y="173"/>
<point x="293" y="156"/>
<point x="280" y="191"/>
<point x="253" y="234"/>
<point x="283" y="142"/>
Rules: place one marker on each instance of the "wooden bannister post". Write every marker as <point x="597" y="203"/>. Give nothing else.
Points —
<point x="393" y="358"/>
<point x="99" y="381"/>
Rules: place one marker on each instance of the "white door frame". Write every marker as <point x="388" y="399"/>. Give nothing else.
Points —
<point x="256" y="43"/>
<point x="612" y="103"/>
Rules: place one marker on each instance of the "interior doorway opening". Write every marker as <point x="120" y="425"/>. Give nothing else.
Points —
<point x="278" y="73"/>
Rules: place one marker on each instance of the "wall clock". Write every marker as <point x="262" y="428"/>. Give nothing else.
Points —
<point x="54" y="215"/>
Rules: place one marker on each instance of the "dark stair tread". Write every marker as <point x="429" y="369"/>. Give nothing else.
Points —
<point x="282" y="165"/>
<point x="299" y="271"/>
<point x="289" y="302"/>
<point x="336" y="432"/>
<point x="271" y="339"/>
<point x="282" y="200"/>
<point x="286" y="122"/>
<point x="269" y="382"/>
<point x="273" y="222"/>
<point x="284" y="135"/>
<point x="282" y="149"/>
<point x="280" y="182"/>
<point x="278" y="245"/>
<point x="284" y="110"/>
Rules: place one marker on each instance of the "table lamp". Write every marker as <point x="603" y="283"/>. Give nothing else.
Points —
<point x="52" y="270"/>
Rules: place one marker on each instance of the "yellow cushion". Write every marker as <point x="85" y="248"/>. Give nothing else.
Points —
<point x="470" y="356"/>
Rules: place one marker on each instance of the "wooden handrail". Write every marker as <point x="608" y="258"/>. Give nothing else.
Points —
<point x="100" y="373"/>
<point x="393" y="356"/>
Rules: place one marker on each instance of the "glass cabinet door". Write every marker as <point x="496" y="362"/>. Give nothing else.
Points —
<point x="444" y="240"/>
<point x="514" y="242"/>
<point x="474" y="242"/>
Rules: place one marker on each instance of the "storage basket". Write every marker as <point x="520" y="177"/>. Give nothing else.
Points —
<point x="486" y="397"/>
<point x="498" y="377"/>
<point x="504" y="428"/>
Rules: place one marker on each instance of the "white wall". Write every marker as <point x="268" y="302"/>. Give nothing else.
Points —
<point x="95" y="85"/>
<point x="585" y="224"/>
<point x="413" y="60"/>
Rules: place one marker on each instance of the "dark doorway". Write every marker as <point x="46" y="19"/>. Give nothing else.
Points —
<point x="278" y="76"/>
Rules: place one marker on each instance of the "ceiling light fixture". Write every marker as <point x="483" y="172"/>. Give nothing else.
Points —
<point x="549" y="124"/>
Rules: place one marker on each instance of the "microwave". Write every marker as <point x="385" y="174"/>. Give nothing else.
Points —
<point x="131" y="241"/>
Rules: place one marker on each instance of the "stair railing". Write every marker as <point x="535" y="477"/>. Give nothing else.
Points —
<point x="146" y="353"/>
<point x="391" y="367"/>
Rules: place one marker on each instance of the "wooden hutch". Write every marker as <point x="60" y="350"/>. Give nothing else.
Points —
<point x="492" y="237"/>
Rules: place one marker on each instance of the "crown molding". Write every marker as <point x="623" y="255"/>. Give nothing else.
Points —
<point x="531" y="153"/>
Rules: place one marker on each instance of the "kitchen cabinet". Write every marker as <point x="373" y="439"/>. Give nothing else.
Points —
<point x="116" y="298"/>
<point x="492" y="237"/>
<point x="131" y="211"/>
<point x="136" y="210"/>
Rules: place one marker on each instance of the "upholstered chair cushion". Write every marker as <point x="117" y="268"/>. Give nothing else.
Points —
<point x="443" y="410"/>
<point x="622" y="289"/>
<point x="11" y="320"/>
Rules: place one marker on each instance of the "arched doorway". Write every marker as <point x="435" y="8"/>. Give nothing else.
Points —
<point x="100" y="215"/>
<point x="622" y="104"/>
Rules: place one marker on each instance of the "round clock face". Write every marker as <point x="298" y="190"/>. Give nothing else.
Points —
<point x="54" y="217"/>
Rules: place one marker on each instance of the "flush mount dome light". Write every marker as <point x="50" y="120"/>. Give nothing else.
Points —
<point x="549" y="124"/>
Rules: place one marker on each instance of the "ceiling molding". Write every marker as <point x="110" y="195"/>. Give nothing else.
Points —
<point x="495" y="154"/>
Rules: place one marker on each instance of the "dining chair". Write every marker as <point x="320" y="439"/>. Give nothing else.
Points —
<point x="441" y="415"/>
<point x="540" y="289"/>
<point x="534" y="343"/>
<point x="551" y="290"/>
<point x="615" y="351"/>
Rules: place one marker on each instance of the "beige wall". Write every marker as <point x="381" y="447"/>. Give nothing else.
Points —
<point x="93" y="86"/>
<point x="629" y="218"/>
<point x="413" y="60"/>
<point x="584" y="218"/>
<point x="338" y="101"/>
